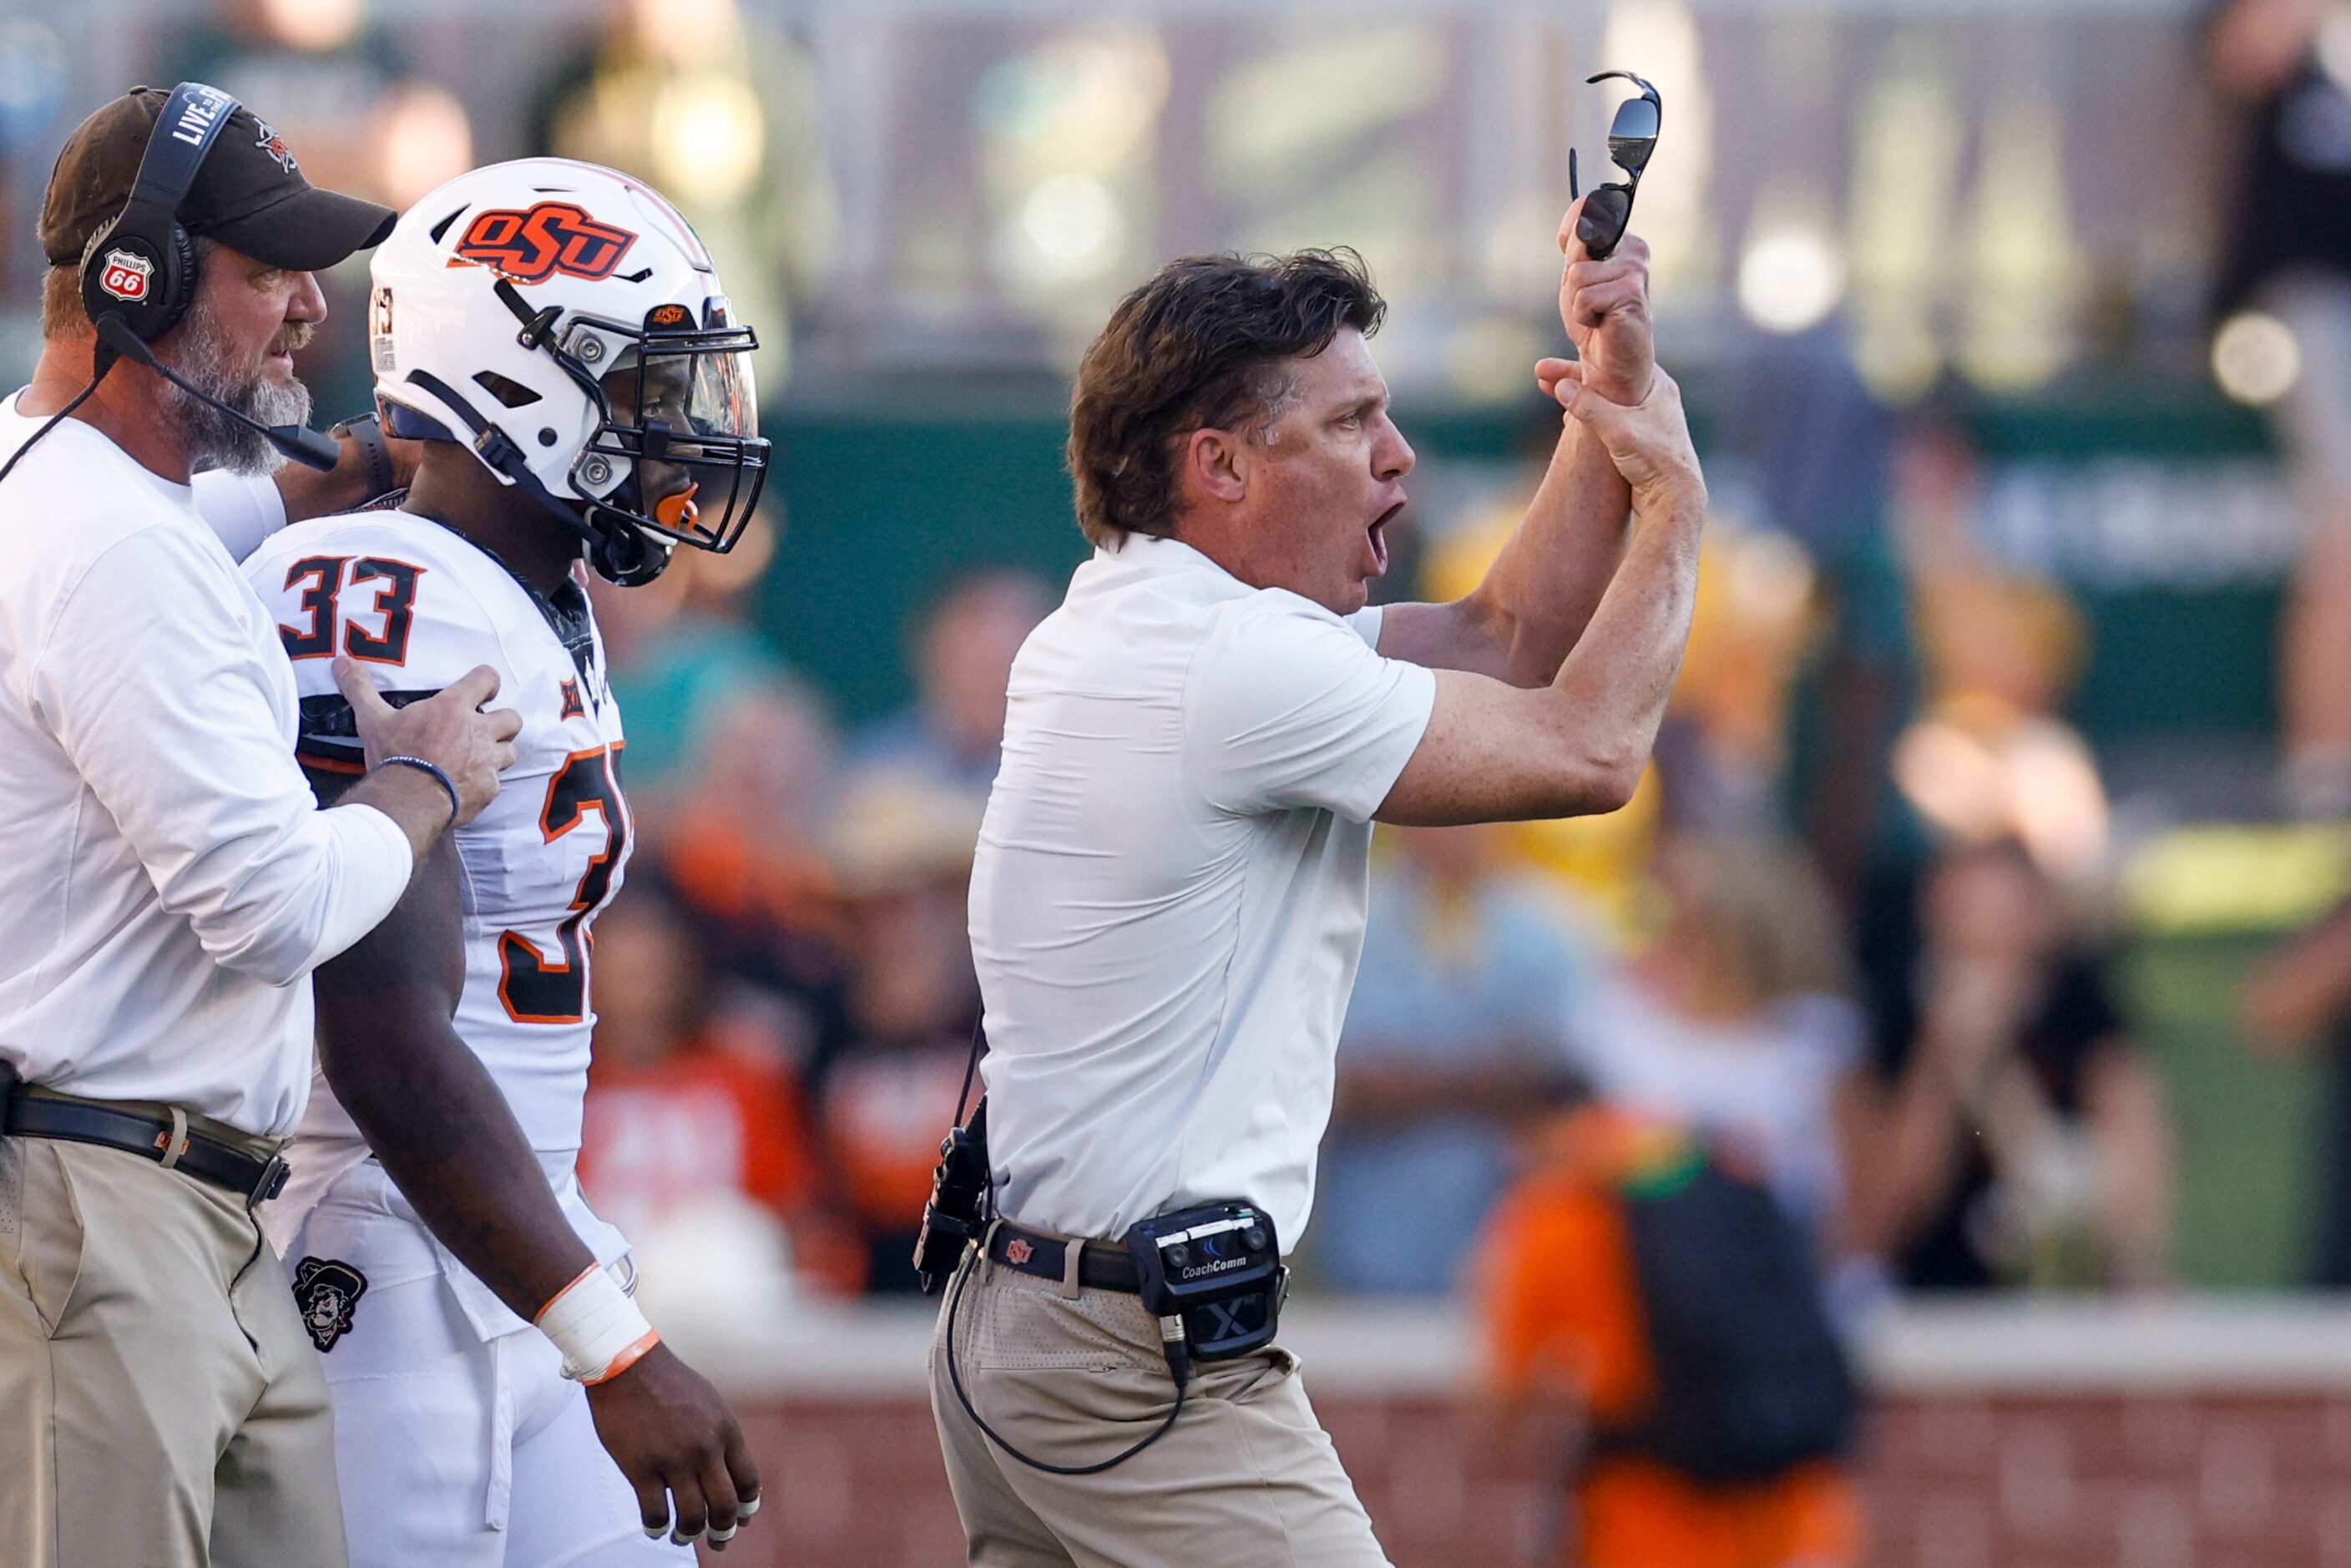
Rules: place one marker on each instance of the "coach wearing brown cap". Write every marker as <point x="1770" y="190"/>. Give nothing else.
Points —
<point x="167" y="882"/>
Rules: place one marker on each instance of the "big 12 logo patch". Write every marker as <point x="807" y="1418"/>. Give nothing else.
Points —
<point x="127" y="275"/>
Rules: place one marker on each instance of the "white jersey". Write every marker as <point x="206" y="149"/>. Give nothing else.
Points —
<point x="420" y="605"/>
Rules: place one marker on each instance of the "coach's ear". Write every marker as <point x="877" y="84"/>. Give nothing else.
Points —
<point x="1215" y="466"/>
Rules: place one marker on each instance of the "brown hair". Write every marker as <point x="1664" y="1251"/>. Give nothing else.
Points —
<point x="62" y="314"/>
<point x="1199" y="346"/>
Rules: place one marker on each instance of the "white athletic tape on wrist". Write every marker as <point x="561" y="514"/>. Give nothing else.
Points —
<point x="597" y="1326"/>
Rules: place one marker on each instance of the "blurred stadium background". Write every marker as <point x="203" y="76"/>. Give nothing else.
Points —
<point x="1981" y="899"/>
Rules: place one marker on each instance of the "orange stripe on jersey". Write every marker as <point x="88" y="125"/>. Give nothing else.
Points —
<point x="326" y="764"/>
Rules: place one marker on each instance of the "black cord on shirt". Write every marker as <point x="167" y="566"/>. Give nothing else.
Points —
<point x="1178" y="1359"/>
<point x="79" y="399"/>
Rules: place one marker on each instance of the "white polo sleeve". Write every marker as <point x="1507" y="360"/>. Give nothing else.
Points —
<point x="244" y="509"/>
<point x="157" y="693"/>
<point x="1285" y="707"/>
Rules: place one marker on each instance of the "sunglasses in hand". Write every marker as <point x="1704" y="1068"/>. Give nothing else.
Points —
<point x="1632" y="137"/>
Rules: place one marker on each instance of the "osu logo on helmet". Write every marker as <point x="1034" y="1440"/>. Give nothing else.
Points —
<point x="534" y="245"/>
<point x="126" y="275"/>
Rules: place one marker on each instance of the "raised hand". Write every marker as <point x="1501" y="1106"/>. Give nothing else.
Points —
<point x="1605" y="306"/>
<point x="1649" y="441"/>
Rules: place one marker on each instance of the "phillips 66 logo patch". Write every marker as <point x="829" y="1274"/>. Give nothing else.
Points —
<point x="126" y="275"/>
<point x="325" y="1290"/>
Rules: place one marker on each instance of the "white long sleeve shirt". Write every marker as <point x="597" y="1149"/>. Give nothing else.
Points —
<point x="167" y="882"/>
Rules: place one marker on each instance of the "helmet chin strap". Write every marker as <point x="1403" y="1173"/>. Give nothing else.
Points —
<point x="619" y="556"/>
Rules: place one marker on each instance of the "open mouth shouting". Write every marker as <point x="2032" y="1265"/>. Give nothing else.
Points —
<point x="1378" y="535"/>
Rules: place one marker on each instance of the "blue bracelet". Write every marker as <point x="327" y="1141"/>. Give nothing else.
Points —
<point x="455" y="805"/>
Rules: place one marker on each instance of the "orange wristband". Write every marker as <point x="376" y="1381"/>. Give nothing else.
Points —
<point x="627" y="1358"/>
<point x="597" y="1326"/>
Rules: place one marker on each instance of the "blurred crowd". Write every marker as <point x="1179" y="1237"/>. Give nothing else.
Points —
<point x="1652" y="1092"/>
<point x="792" y="1001"/>
<point x="1923" y="1059"/>
<point x="1850" y="952"/>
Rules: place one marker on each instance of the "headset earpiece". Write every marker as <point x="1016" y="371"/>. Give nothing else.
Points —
<point x="147" y="278"/>
<point x="142" y="266"/>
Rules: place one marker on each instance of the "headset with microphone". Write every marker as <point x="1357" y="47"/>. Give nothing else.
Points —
<point x="300" y="443"/>
<point x="139" y="273"/>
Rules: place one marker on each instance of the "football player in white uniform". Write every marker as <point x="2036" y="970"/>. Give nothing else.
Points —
<point x="555" y="335"/>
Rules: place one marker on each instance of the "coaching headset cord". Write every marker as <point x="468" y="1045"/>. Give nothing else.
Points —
<point x="1180" y="1360"/>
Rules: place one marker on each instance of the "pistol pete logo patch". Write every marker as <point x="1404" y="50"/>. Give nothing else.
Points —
<point x="325" y="1290"/>
<point x="127" y="275"/>
<point x="269" y="142"/>
<point x="533" y="245"/>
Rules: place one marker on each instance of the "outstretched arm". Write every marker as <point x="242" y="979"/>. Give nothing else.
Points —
<point x="1518" y="623"/>
<point x="443" y="1129"/>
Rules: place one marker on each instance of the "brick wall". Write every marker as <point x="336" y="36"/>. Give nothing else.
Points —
<point x="2178" y="1480"/>
<point x="1954" y="1482"/>
<point x="2212" y="1442"/>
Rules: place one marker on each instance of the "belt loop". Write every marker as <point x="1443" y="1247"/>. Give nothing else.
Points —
<point x="1074" y="1257"/>
<point x="987" y="1269"/>
<point x="177" y="1144"/>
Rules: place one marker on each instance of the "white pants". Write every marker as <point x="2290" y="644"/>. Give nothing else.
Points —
<point x="454" y="1450"/>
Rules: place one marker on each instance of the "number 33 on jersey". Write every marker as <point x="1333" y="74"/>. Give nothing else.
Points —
<point x="418" y="606"/>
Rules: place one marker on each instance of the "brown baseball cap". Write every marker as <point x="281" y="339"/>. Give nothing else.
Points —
<point x="250" y="194"/>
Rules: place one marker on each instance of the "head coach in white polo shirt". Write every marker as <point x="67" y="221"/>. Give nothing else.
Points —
<point x="1167" y="906"/>
<point x="167" y="884"/>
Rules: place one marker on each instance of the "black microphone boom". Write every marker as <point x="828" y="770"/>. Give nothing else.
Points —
<point x="304" y="445"/>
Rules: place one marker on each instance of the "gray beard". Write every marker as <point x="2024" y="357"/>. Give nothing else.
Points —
<point x="212" y="438"/>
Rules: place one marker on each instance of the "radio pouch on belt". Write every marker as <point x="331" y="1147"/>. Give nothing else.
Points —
<point x="1218" y="1269"/>
<point x="957" y="1214"/>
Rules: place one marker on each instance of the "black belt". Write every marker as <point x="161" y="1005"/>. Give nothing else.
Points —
<point x="250" y="1177"/>
<point x="1103" y="1266"/>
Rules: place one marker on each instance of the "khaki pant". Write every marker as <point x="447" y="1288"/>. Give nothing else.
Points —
<point x="1245" y="1479"/>
<point x="160" y="1403"/>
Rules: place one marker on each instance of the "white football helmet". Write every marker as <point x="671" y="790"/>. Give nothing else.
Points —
<point x="564" y="321"/>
